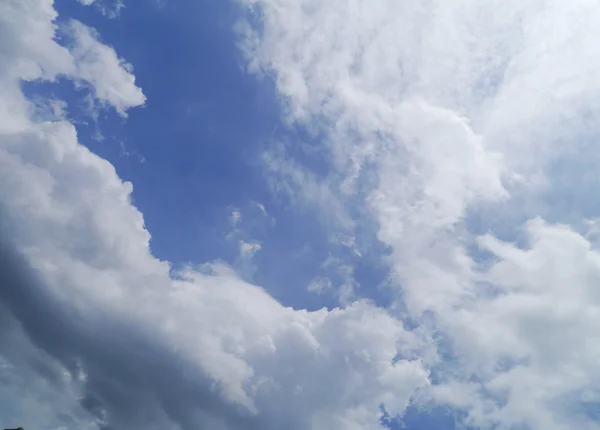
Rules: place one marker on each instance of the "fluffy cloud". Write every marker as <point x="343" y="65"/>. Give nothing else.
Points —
<point x="437" y="113"/>
<point x="96" y="332"/>
<point x="533" y="342"/>
<point x="452" y="118"/>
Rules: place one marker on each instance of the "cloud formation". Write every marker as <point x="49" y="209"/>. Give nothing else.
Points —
<point x="98" y="333"/>
<point x="450" y="119"/>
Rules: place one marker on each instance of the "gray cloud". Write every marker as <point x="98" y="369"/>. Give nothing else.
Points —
<point x="128" y="380"/>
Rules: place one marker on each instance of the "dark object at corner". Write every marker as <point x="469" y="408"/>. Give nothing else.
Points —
<point x="18" y="428"/>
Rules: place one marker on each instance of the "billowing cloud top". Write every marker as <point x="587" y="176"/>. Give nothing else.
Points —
<point x="444" y="119"/>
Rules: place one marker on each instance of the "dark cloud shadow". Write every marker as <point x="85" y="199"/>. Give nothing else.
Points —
<point x="131" y="380"/>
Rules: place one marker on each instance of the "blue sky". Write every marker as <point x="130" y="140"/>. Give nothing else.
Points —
<point x="201" y="136"/>
<point x="193" y="152"/>
<point x="338" y="208"/>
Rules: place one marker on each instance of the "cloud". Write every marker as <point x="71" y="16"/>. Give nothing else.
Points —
<point x="433" y="114"/>
<point x="450" y="119"/>
<point x="99" y="333"/>
<point x="244" y="264"/>
<point x="30" y="53"/>
<point x="110" y="77"/>
<point x="111" y="10"/>
<point x="235" y="217"/>
<point x="319" y="285"/>
<point x="541" y="325"/>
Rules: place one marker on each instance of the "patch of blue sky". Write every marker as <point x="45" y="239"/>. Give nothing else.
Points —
<point x="421" y="418"/>
<point x="193" y="152"/>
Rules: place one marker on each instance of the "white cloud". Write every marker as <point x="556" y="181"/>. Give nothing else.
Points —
<point x="110" y="77"/>
<point x="29" y="52"/>
<point x="346" y="285"/>
<point x="244" y="263"/>
<point x="261" y="208"/>
<point x="460" y="109"/>
<point x="319" y="285"/>
<point x="131" y="343"/>
<point x="235" y="217"/>
<point x="111" y="10"/>
<point x="542" y="320"/>
<point x="248" y="249"/>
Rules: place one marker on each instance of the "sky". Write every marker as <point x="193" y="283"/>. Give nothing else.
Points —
<point x="299" y="214"/>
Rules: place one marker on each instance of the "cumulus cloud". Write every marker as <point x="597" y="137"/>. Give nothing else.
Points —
<point x="435" y="114"/>
<point x="450" y="118"/>
<point x="96" y="332"/>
